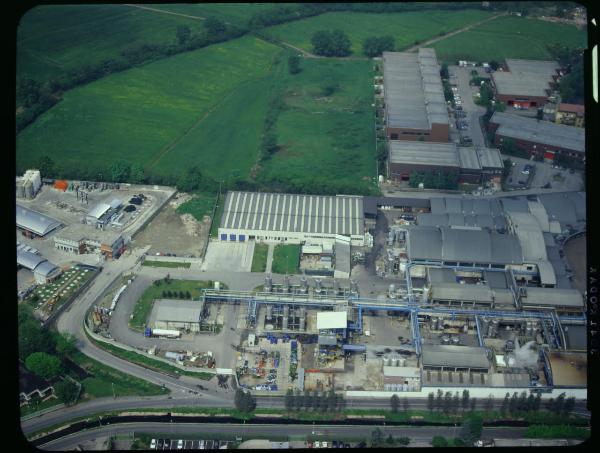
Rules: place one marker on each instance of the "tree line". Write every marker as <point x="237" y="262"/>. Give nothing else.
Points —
<point x="45" y="353"/>
<point x="434" y="180"/>
<point x="315" y="400"/>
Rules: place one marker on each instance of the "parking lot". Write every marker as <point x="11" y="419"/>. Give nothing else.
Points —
<point x="543" y="176"/>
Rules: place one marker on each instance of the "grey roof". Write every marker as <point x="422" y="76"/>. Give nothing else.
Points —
<point x="489" y="158"/>
<point x="530" y="236"/>
<point x="440" y="275"/>
<point x="464" y="292"/>
<point x="503" y="296"/>
<point x="327" y="340"/>
<point x="546" y="271"/>
<point x="29" y="260"/>
<point x="46" y="269"/>
<point x="413" y="92"/>
<point x="294" y="213"/>
<point x="438" y="205"/>
<point x="454" y="356"/>
<point x="423" y="153"/>
<point x="567" y="208"/>
<point x="370" y="204"/>
<point x="177" y="310"/>
<point x="462" y="245"/>
<point x="99" y="210"/>
<point x="495" y="280"/>
<point x="525" y="77"/>
<point x="543" y="132"/>
<point x="81" y="232"/>
<point x="342" y="256"/>
<point x="470" y="220"/>
<point x="576" y="337"/>
<point x="468" y="158"/>
<point x="553" y="297"/>
<point x="34" y="221"/>
<point x="515" y="205"/>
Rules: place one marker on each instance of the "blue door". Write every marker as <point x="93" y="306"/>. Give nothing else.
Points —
<point x="223" y="237"/>
<point x="242" y="237"/>
<point x="232" y="237"/>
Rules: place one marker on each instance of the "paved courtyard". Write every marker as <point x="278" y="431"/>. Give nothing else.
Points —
<point x="229" y="256"/>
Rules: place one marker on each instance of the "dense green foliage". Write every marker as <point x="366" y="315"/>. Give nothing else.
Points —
<point x="471" y="428"/>
<point x="374" y="46"/>
<point x="331" y="43"/>
<point x="439" y="441"/>
<point x="200" y="205"/>
<point x="67" y="391"/>
<point x="557" y="432"/>
<point x="294" y="64"/>
<point x="244" y="401"/>
<point x="571" y="85"/>
<point x="434" y="180"/>
<point x="44" y="365"/>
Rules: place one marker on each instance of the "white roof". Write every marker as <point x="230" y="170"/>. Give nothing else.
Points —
<point x="332" y="320"/>
<point x="402" y="371"/>
<point x="99" y="210"/>
<point x="310" y="249"/>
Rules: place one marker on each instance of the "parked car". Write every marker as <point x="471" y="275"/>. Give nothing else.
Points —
<point x="153" y="444"/>
<point x="180" y="444"/>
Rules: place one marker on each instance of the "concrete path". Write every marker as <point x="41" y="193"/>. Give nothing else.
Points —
<point x="270" y="258"/>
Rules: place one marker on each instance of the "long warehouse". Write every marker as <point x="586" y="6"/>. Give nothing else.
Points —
<point x="292" y="218"/>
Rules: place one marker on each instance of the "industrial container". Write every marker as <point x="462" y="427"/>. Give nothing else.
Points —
<point x="61" y="185"/>
<point x="392" y="291"/>
<point x="217" y="286"/>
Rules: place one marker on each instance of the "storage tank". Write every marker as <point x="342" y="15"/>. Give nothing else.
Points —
<point x="386" y="360"/>
<point x="381" y="178"/>
<point x="392" y="291"/>
<point x="455" y="339"/>
<point x="318" y="285"/>
<point x="304" y="285"/>
<point x="269" y="314"/>
<point x="268" y="326"/>
<point x="28" y="187"/>
<point x="405" y="387"/>
<point x="268" y="283"/>
<point x="20" y="190"/>
<point x="286" y="284"/>
<point x="466" y="328"/>
<point x="391" y="237"/>
<point x="401" y="361"/>
<point x="446" y="339"/>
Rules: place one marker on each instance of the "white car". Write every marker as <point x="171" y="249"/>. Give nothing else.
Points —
<point x="153" y="444"/>
<point x="525" y="172"/>
<point x="180" y="444"/>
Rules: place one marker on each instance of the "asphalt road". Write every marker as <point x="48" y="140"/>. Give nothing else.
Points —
<point x="473" y="111"/>
<point x="416" y="434"/>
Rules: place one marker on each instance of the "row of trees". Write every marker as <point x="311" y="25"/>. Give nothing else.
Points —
<point x="434" y="180"/>
<point x="180" y="294"/>
<point x="331" y="43"/>
<point x="318" y="401"/>
<point x="571" y="86"/>
<point x="34" y="98"/>
<point x="449" y="403"/>
<point x="374" y="46"/>
<point x="244" y="401"/>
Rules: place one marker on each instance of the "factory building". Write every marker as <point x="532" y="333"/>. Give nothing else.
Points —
<point x="538" y="138"/>
<point x="43" y="270"/>
<point x="293" y="219"/>
<point x="527" y="83"/>
<point x="177" y="315"/>
<point x="90" y="240"/>
<point x="415" y="107"/>
<point x="470" y="165"/>
<point x="332" y="327"/>
<point x="29" y="184"/>
<point x="468" y="359"/>
<point x="101" y="213"/>
<point x="34" y="224"/>
<point x="401" y="379"/>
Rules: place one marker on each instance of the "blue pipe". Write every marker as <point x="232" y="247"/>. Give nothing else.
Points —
<point x="479" y="337"/>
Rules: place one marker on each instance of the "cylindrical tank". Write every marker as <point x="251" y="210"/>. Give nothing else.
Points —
<point x="381" y="178"/>
<point x="446" y="339"/>
<point x="466" y="328"/>
<point x="391" y="237"/>
<point x="405" y="387"/>
<point x="392" y="291"/>
<point x="401" y="361"/>
<point x="318" y="285"/>
<point x="286" y="283"/>
<point x="28" y="186"/>
<point x="268" y="283"/>
<point x="386" y="360"/>
<point x="304" y="285"/>
<point x="354" y="286"/>
<point x="20" y="190"/>
<point x="302" y="325"/>
<point x="269" y="315"/>
<point x="268" y="326"/>
<point x="455" y="339"/>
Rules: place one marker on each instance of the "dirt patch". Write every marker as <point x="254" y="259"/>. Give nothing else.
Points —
<point x="170" y="232"/>
<point x="179" y="199"/>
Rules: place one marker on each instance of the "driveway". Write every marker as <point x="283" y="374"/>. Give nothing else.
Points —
<point x="473" y="111"/>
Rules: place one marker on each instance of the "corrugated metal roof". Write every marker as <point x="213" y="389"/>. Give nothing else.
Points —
<point x="46" y="269"/>
<point x="423" y="153"/>
<point x="495" y="280"/>
<point x="547" y="275"/>
<point x="530" y="236"/>
<point x="440" y="275"/>
<point x="490" y="158"/>
<point x="465" y="292"/>
<point x="468" y="159"/>
<point x="29" y="260"/>
<point x="342" y="256"/>
<point x="99" y="210"/>
<point x="413" y="90"/>
<point x="34" y="221"/>
<point x="553" y="297"/>
<point x="340" y="214"/>
<point x="567" y="208"/>
<point x="525" y="77"/>
<point x="543" y="132"/>
<point x="454" y="356"/>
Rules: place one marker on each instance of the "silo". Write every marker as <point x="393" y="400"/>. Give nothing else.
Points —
<point x="446" y="339"/>
<point x="386" y="360"/>
<point x="303" y="285"/>
<point x="286" y="315"/>
<point x="401" y="361"/>
<point x="269" y="315"/>
<point x="302" y="325"/>
<point x="286" y="284"/>
<point x="318" y="285"/>
<point x="28" y="186"/>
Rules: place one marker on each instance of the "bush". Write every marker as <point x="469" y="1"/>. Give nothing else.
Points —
<point x="43" y="364"/>
<point x="67" y="391"/>
<point x="439" y="442"/>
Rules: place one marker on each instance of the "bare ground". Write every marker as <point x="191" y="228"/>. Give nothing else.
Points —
<point x="170" y="232"/>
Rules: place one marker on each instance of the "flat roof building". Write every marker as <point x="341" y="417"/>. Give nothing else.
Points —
<point x="171" y="314"/>
<point x="327" y="320"/>
<point x="570" y="115"/>
<point x="292" y="218"/>
<point x="414" y="97"/>
<point x="527" y="82"/>
<point x="454" y="358"/>
<point x="538" y="137"/>
<point x="83" y="239"/>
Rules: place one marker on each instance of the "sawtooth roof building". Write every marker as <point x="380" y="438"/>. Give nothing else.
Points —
<point x="538" y="137"/>
<point x="415" y="106"/>
<point x="527" y="83"/>
<point x="292" y="218"/>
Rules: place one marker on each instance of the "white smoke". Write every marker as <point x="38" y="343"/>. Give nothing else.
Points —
<point x="526" y="356"/>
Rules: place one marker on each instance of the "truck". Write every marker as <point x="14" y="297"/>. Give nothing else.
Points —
<point x="163" y="333"/>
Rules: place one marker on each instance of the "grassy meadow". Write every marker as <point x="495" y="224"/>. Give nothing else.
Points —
<point x="144" y="113"/>
<point x="406" y="28"/>
<point x="54" y="39"/>
<point x="508" y="37"/>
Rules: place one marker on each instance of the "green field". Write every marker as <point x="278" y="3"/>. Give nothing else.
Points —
<point x="259" y="259"/>
<point x="509" y="37"/>
<point x="406" y="28"/>
<point x="53" y="39"/>
<point x="151" y="109"/>
<point x="166" y="264"/>
<point x="286" y="259"/>
<point x="199" y="206"/>
<point x="326" y="142"/>
<point x="104" y="377"/>
<point x="234" y="13"/>
<point x="143" y="307"/>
